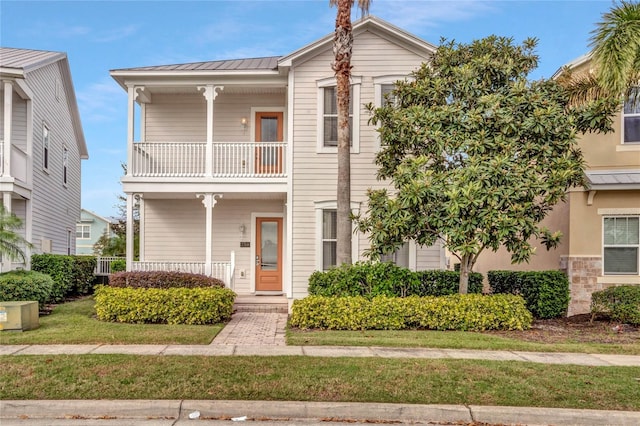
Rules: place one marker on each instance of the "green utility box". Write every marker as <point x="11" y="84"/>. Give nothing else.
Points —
<point x="19" y="316"/>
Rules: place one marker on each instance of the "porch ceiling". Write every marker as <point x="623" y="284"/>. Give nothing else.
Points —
<point x="228" y="89"/>
<point x="225" y="195"/>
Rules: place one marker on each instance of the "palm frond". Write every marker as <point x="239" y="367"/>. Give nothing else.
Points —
<point x="581" y="88"/>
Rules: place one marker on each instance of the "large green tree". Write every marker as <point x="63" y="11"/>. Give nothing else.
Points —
<point x="342" y="50"/>
<point x="476" y="153"/>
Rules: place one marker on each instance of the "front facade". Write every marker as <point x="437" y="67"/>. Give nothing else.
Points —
<point x="41" y="147"/>
<point x="600" y="224"/>
<point x="89" y="229"/>
<point x="235" y="171"/>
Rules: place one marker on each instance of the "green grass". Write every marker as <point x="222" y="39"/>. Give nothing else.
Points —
<point x="507" y="383"/>
<point x="448" y="339"/>
<point x="74" y="323"/>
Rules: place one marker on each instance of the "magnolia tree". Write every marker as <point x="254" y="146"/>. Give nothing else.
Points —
<point x="476" y="153"/>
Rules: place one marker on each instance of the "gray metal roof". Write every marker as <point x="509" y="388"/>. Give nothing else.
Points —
<point x="27" y="59"/>
<point x="267" y="63"/>
<point x="613" y="177"/>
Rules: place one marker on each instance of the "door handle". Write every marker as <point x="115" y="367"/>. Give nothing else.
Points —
<point x="257" y="260"/>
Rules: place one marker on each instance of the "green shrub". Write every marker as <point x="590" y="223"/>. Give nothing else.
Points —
<point x="546" y="293"/>
<point x="60" y="268"/>
<point x="621" y="303"/>
<point x="162" y="279"/>
<point x="164" y="306"/>
<point x="25" y="286"/>
<point x="371" y="279"/>
<point x="82" y="275"/>
<point x="118" y="265"/>
<point x="473" y="312"/>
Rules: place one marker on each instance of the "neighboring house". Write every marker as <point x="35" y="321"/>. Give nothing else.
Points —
<point x="41" y="145"/>
<point x="235" y="171"/>
<point x="89" y="229"/>
<point x="600" y="224"/>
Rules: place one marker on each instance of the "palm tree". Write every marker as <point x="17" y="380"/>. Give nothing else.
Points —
<point x="615" y="55"/>
<point x="342" y="49"/>
<point x="11" y="243"/>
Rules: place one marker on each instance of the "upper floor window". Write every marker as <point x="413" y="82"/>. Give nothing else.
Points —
<point x="387" y="97"/>
<point x="65" y="159"/>
<point x="621" y="245"/>
<point x="83" y="232"/>
<point x="46" y="137"/>
<point x="631" y="120"/>
<point x="328" y="115"/>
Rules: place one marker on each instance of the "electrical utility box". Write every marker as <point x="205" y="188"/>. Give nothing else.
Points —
<point x="19" y="316"/>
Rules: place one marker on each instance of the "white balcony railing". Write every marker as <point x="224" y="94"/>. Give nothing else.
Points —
<point x="228" y="159"/>
<point x="219" y="269"/>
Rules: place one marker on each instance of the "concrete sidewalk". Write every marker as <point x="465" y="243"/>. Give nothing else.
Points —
<point x="326" y="351"/>
<point x="176" y="412"/>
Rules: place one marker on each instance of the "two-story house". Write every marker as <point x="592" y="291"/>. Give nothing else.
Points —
<point x="89" y="229"/>
<point x="41" y="147"/>
<point x="600" y="247"/>
<point x="235" y="169"/>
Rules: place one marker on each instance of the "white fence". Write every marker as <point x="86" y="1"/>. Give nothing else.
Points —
<point x="229" y="159"/>
<point x="103" y="265"/>
<point x="222" y="270"/>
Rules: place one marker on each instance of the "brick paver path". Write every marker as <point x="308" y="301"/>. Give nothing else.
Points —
<point x="253" y="328"/>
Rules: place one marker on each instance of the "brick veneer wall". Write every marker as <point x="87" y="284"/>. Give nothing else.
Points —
<point x="583" y="273"/>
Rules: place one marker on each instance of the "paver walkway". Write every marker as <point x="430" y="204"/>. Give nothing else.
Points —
<point x="253" y="328"/>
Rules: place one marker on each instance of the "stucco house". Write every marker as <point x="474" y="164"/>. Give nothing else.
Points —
<point x="89" y="229"/>
<point x="41" y="148"/>
<point x="235" y="171"/>
<point x="600" y="224"/>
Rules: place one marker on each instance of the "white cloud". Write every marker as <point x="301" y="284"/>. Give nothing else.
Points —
<point x="101" y="101"/>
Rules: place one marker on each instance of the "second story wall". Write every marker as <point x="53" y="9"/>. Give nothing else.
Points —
<point x="608" y="151"/>
<point x="19" y="116"/>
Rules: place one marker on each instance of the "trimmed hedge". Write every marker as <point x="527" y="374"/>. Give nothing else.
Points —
<point x="83" y="268"/>
<point x="621" y="303"/>
<point x="20" y="285"/>
<point x="161" y="279"/>
<point x="468" y="312"/>
<point x="164" y="306"/>
<point x="546" y="293"/>
<point x="72" y="275"/>
<point x="371" y="279"/>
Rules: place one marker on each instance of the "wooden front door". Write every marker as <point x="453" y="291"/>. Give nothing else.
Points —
<point x="268" y="129"/>
<point x="269" y="254"/>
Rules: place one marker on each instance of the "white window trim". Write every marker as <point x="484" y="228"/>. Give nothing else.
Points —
<point x="634" y="145"/>
<point x="82" y="226"/>
<point x="602" y="246"/>
<point x="46" y="129"/>
<point x="356" y="82"/>
<point x="320" y="206"/>
<point x="378" y="82"/>
<point x="65" y="165"/>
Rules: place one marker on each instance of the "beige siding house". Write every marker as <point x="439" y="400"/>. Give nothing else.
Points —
<point x="234" y="172"/>
<point x="601" y="244"/>
<point x="41" y="147"/>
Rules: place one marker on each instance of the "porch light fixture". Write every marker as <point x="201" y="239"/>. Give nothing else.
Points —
<point x="242" y="229"/>
<point x="244" y="123"/>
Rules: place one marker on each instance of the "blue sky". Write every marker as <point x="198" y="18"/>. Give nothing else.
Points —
<point x="102" y="35"/>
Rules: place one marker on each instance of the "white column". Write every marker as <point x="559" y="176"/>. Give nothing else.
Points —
<point x="8" y="125"/>
<point x="131" y="113"/>
<point x="6" y="202"/>
<point x="209" y="200"/>
<point x="210" y="92"/>
<point x="129" y="253"/>
<point x="28" y="230"/>
<point x="141" y="227"/>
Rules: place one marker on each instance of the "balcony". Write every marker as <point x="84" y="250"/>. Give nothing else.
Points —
<point x="227" y="160"/>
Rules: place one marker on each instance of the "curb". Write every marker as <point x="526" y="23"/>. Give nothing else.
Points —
<point x="176" y="412"/>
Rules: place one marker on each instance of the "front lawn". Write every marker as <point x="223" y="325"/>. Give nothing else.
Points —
<point x="75" y="323"/>
<point x="297" y="378"/>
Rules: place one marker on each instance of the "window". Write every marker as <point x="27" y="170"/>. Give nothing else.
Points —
<point x="387" y="97"/>
<point x="83" y="232"/>
<point x="621" y="245"/>
<point x="65" y="158"/>
<point x="45" y="147"/>
<point x="329" y="224"/>
<point x="400" y="257"/>
<point x="328" y="115"/>
<point x="631" y="120"/>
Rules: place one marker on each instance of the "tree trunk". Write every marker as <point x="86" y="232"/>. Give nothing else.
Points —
<point x="342" y="47"/>
<point x="465" y="269"/>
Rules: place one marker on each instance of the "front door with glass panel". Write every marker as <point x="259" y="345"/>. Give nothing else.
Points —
<point x="268" y="135"/>
<point x="268" y="254"/>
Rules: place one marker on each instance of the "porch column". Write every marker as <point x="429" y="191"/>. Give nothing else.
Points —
<point x="8" y="125"/>
<point x="131" y="112"/>
<point x="209" y="200"/>
<point x="6" y="202"/>
<point x="129" y="229"/>
<point x="210" y="92"/>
